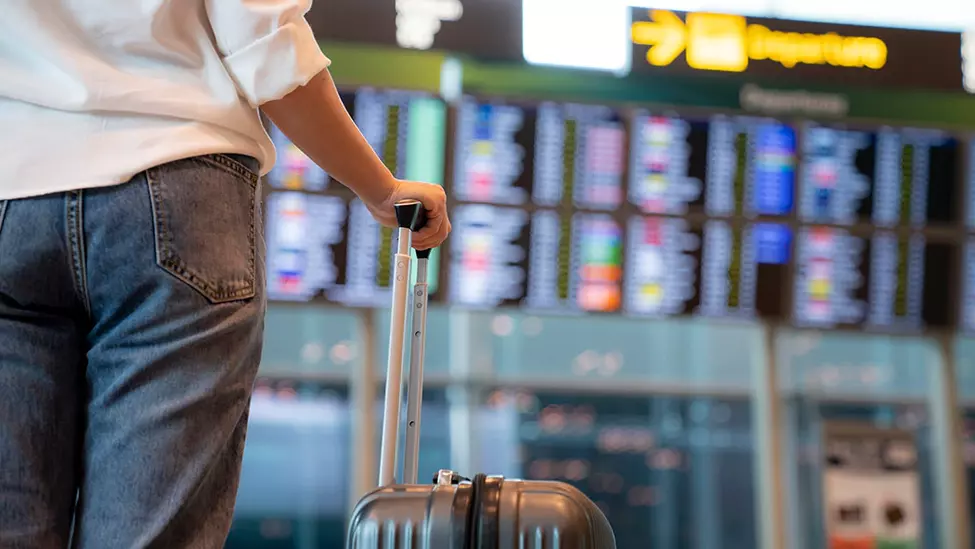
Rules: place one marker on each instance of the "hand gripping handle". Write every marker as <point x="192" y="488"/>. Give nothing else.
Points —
<point x="412" y="215"/>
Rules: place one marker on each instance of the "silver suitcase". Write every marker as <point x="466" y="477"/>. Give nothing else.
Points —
<point x="486" y="512"/>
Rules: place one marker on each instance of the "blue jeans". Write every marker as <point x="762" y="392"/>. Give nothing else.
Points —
<point x="131" y="324"/>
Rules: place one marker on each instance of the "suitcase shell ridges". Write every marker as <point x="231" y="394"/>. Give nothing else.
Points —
<point x="532" y="515"/>
<point x="391" y="535"/>
<point x="552" y="515"/>
<point x="399" y="517"/>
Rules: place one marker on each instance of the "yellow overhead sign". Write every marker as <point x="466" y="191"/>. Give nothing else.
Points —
<point x="720" y="42"/>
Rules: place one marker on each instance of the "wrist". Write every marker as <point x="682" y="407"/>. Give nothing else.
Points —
<point x="380" y="190"/>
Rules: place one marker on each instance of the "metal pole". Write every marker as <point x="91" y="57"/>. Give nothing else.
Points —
<point x="701" y="448"/>
<point x="952" y="483"/>
<point x="768" y="437"/>
<point x="414" y="398"/>
<point x="394" y="366"/>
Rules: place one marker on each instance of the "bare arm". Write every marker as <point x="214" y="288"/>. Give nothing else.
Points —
<point x="315" y="119"/>
<point x="271" y="53"/>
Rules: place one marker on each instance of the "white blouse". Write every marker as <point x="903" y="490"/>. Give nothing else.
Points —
<point x="94" y="91"/>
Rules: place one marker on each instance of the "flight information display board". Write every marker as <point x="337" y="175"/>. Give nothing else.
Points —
<point x="575" y="263"/>
<point x="890" y="177"/>
<point x="886" y="282"/>
<point x="494" y="154"/>
<point x="369" y="263"/>
<point x="580" y="153"/>
<point x="549" y="154"/>
<point x="556" y="209"/>
<point x="293" y="170"/>
<point x="322" y="242"/>
<point x="488" y="255"/>
<point x="721" y="166"/>
<point x="326" y="247"/>
<point x="406" y="128"/>
<point x="542" y="261"/>
<point x="715" y="270"/>
<point x="305" y="245"/>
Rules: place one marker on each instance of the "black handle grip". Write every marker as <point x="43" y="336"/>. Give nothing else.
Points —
<point x="410" y="214"/>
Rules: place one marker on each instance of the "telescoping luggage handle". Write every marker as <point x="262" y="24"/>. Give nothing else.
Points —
<point x="411" y="217"/>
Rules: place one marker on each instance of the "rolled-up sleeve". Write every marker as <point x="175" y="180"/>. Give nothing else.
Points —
<point x="267" y="45"/>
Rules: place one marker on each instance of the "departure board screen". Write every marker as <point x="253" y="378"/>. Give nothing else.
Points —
<point x="575" y="263"/>
<point x="543" y="261"/>
<point x="550" y="154"/>
<point x="721" y="166"/>
<point x="720" y="216"/>
<point x="408" y="131"/>
<point x="890" y="177"/>
<point x="322" y="242"/>
<point x="293" y="170"/>
<point x="406" y="128"/>
<point x="886" y="281"/>
<point x="305" y="245"/>
<point x="369" y="263"/>
<point x="580" y="152"/>
<point x="662" y="267"/>
<point x="715" y="270"/>
<point x="744" y="271"/>
<point x="494" y="152"/>
<point x="488" y="255"/>
<point x="325" y="247"/>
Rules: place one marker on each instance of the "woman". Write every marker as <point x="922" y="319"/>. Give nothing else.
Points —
<point x="131" y="255"/>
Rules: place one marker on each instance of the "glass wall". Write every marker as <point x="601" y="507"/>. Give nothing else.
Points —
<point x="295" y="480"/>
<point x="876" y="381"/>
<point x="654" y="420"/>
<point x="294" y="486"/>
<point x="965" y="372"/>
<point x="647" y="419"/>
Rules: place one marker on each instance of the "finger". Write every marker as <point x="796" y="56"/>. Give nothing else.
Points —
<point x="432" y="225"/>
<point x="441" y="235"/>
<point x="426" y="237"/>
<point x="431" y="239"/>
<point x="444" y="232"/>
<point x="426" y="243"/>
<point x="436" y="201"/>
<point x="432" y="234"/>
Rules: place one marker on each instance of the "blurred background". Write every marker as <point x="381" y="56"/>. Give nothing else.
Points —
<point x="713" y="263"/>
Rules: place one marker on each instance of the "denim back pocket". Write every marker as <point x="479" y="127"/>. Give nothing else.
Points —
<point x="3" y="211"/>
<point x="205" y="215"/>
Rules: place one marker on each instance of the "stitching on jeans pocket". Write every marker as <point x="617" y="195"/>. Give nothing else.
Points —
<point x="3" y="212"/>
<point x="204" y="213"/>
<point x="231" y="164"/>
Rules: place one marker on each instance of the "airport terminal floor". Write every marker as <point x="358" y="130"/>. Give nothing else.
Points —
<point x="663" y="423"/>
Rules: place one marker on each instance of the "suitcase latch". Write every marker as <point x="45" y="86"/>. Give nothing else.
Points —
<point x="446" y="477"/>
